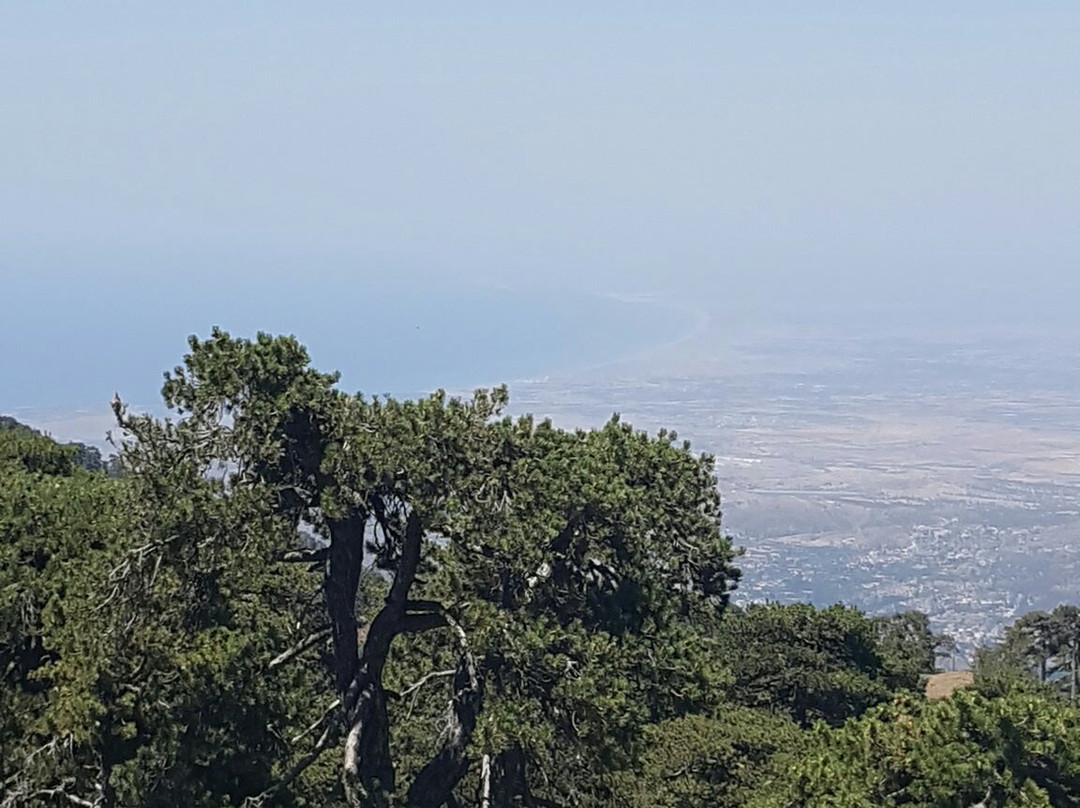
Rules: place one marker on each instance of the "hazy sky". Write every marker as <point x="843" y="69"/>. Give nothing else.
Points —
<point x="159" y="161"/>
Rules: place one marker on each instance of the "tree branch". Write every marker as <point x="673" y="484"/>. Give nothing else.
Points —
<point x="59" y="792"/>
<point x="368" y="773"/>
<point x="423" y="680"/>
<point x="416" y="623"/>
<point x="327" y="740"/>
<point x="305" y="556"/>
<point x="423" y="606"/>
<point x="408" y="563"/>
<point x="308" y="642"/>
<point x="330" y="712"/>
<point x="435" y="782"/>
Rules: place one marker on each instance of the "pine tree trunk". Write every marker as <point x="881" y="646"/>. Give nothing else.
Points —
<point x="511" y="787"/>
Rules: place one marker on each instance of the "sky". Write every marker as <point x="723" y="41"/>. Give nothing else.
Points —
<point x="435" y="194"/>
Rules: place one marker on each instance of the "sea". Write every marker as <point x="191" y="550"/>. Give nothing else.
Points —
<point x="71" y="342"/>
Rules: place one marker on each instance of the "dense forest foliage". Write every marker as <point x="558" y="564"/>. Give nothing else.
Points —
<point x="286" y="595"/>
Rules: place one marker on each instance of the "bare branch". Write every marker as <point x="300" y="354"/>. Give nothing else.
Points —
<point x="485" y="781"/>
<point x="292" y="653"/>
<point x="59" y="792"/>
<point x="330" y="712"/>
<point x="305" y="556"/>
<point x="327" y="740"/>
<point x="423" y="680"/>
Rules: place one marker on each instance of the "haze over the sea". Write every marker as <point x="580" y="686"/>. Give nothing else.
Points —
<point x="500" y="175"/>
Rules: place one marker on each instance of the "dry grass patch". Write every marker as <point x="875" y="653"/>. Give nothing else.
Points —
<point x="943" y="685"/>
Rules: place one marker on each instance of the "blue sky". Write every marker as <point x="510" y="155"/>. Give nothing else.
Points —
<point x="751" y="159"/>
